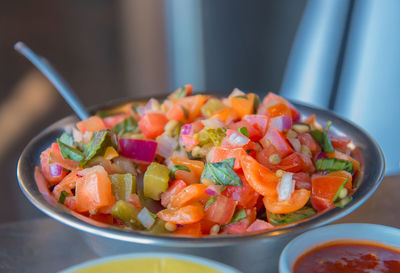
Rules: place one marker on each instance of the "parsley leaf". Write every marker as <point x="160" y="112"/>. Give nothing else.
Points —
<point x="70" y="152"/>
<point x="126" y="126"/>
<point x="63" y="195"/>
<point x="97" y="146"/>
<point x="244" y="131"/>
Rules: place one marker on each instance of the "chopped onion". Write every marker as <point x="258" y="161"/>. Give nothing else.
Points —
<point x="213" y="123"/>
<point x="286" y="187"/>
<point x="152" y="106"/>
<point x="138" y="149"/>
<point x="55" y="170"/>
<point x="295" y="143"/>
<point x="166" y="145"/>
<point x="146" y="218"/>
<point x="237" y="92"/>
<point x="214" y="189"/>
<point x="237" y="139"/>
<point x="281" y="123"/>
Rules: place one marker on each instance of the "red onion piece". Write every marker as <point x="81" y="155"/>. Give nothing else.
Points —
<point x="321" y="155"/>
<point x="281" y="123"/>
<point x="211" y="192"/>
<point x="55" y="170"/>
<point x="187" y="129"/>
<point x="214" y="189"/>
<point x="138" y="149"/>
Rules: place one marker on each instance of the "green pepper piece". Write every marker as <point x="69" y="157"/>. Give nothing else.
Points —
<point x="122" y="185"/>
<point x="155" y="180"/>
<point x="283" y="219"/>
<point x="158" y="227"/>
<point x="127" y="213"/>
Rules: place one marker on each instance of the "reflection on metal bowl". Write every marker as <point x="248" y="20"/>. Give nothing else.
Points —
<point x="253" y="253"/>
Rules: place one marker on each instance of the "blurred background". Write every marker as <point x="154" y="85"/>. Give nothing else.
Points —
<point x="313" y="51"/>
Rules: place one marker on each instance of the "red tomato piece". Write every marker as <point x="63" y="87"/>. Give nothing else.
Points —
<point x="92" y="124"/>
<point x="339" y="142"/>
<point x="297" y="200"/>
<point x="241" y="226"/>
<point x="189" y="194"/>
<point x="189" y="230"/>
<point x="189" y="142"/>
<point x="111" y="121"/>
<point x="303" y="181"/>
<point x="152" y="124"/>
<point x="221" y="211"/>
<point x="234" y="139"/>
<point x="45" y="167"/>
<point x="217" y="154"/>
<point x="272" y="99"/>
<point x="324" y="189"/>
<point x="276" y="138"/>
<point x="254" y="134"/>
<point x="246" y="196"/>
<point x="186" y="215"/>
<point x="259" y="122"/>
<point x="174" y="188"/>
<point x="259" y="225"/>
<point x="263" y="157"/>
<point x="56" y="157"/>
<point x="307" y="140"/>
<point x="296" y="162"/>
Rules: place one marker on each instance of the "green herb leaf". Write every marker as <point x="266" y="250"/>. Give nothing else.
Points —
<point x="239" y="215"/>
<point x="339" y="190"/>
<point x="283" y="219"/>
<point x="67" y="139"/>
<point x="324" y="140"/>
<point x="70" y="152"/>
<point x="242" y="97"/>
<point x="210" y="201"/>
<point x="333" y="164"/>
<point x="153" y="215"/>
<point x="134" y="108"/>
<point x="244" y="131"/>
<point x="103" y="114"/>
<point x="128" y="125"/>
<point x="342" y="203"/>
<point x="222" y="173"/>
<point x="97" y="146"/>
<point x="178" y="167"/>
<point x="63" y="194"/>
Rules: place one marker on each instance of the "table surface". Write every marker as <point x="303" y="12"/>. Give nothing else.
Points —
<point x="44" y="245"/>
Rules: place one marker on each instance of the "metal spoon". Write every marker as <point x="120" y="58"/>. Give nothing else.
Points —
<point x="54" y="77"/>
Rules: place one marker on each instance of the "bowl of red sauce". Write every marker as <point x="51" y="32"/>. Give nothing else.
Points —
<point x="343" y="248"/>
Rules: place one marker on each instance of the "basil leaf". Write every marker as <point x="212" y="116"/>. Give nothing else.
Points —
<point x="339" y="190"/>
<point x="239" y="215"/>
<point x="222" y="173"/>
<point x="126" y="126"/>
<point x="333" y="164"/>
<point x="67" y="139"/>
<point x="210" y="201"/>
<point x="97" y="146"/>
<point x="324" y="140"/>
<point x="178" y="167"/>
<point x="242" y="97"/>
<point x="63" y="194"/>
<point x="283" y="219"/>
<point x="244" y="131"/>
<point x="70" y="152"/>
<point x="342" y="203"/>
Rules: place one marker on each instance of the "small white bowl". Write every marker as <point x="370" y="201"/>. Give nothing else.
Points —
<point x="223" y="268"/>
<point x="381" y="234"/>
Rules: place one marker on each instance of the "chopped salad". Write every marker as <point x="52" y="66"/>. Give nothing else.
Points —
<point x="212" y="166"/>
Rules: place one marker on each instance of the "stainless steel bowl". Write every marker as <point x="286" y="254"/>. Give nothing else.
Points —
<point x="253" y="253"/>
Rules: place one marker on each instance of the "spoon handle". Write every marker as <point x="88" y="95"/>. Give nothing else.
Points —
<point x="55" y="78"/>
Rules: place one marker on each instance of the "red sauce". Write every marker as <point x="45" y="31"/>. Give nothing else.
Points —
<point x="349" y="256"/>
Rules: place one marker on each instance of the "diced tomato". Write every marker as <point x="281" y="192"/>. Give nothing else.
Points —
<point x="70" y="202"/>
<point x="263" y="157"/>
<point x="189" y="142"/>
<point x="260" y="178"/>
<point x="339" y="142"/>
<point x="226" y="115"/>
<point x="195" y="166"/>
<point x="339" y="155"/>
<point x="272" y="99"/>
<point x="344" y="174"/>
<point x="186" y="215"/>
<point x="241" y="226"/>
<point x="275" y="138"/>
<point x="111" y="121"/>
<point x="45" y="164"/>
<point x="221" y="211"/>
<point x="67" y="184"/>
<point x="259" y="225"/>
<point x="297" y="200"/>
<point x="152" y="124"/>
<point x="324" y="189"/>
<point x="56" y="157"/>
<point x="254" y="134"/>
<point x="303" y="180"/>
<point x="193" y="105"/>
<point x="189" y="177"/>
<point x="307" y="140"/>
<point x="296" y="162"/>
<point x="189" y="194"/>
<point x="103" y="218"/>
<point x="189" y="230"/>
<point x="92" y="124"/>
<point x="93" y="191"/>
<point x="259" y="122"/>
<point x="217" y="154"/>
<point x="177" y="112"/>
<point x="279" y="109"/>
<point x="246" y="196"/>
<point x="174" y="188"/>
<point x="243" y="105"/>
